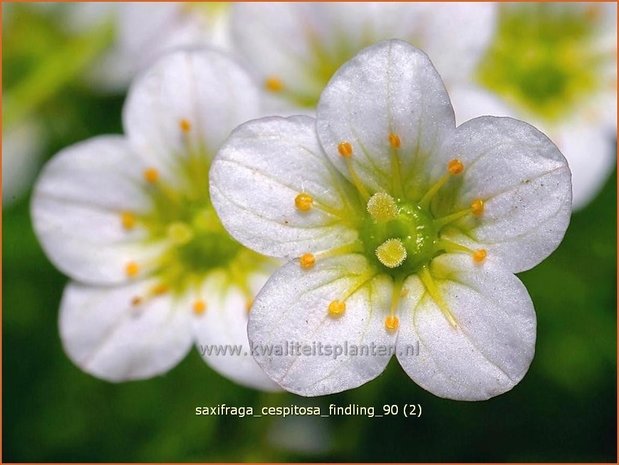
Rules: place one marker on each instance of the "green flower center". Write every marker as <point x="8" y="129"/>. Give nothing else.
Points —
<point x="543" y="58"/>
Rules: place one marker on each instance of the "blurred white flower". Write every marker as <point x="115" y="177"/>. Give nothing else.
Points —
<point x="294" y="48"/>
<point x="555" y="66"/>
<point x="404" y="229"/>
<point x="129" y="219"/>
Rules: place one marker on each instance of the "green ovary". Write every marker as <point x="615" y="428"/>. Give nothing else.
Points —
<point x="543" y="59"/>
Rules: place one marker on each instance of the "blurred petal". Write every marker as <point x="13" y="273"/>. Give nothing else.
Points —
<point x="292" y="311"/>
<point x="390" y="87"/>
<point x="187" y="101"/>
<point x="471" y="101"/>
<point x="109" y="337"/>
<point x="77" y="209"/>
<point x="224" y="324"/>
<point x="524" y="182"/>
<point x="256" y="178"/>
<point x="490" y="350"/>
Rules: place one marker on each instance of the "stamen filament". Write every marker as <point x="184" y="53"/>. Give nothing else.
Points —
<point x="356" y="181"/>
<point x="361" y="281"/>
<point x="427" y="198"/>
<point x="445" y="220"/>
<point x="435" y="293"/>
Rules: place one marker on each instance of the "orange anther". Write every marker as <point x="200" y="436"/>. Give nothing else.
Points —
<point x="392" y="323"/>
<point x="455" y="166"/>
<point x="307" y="261"/>
<point x="477" y="207"/>
<point x="345" y="149"/>
<point x="151" y="175"/>
<point x="274" y="84"/>
<point x="479" y="255"/>
<point x="394" y="140"/>
<point x="199" y="307"/>
<point x="185" y="125"/>
<point x="337" y="308"/>
<point x="132" y="269"/>
<point x="303" y="201"/>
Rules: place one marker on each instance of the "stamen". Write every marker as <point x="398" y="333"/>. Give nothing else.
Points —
<point x="303" y="202"/>
<point x="151" y="175"/>
<point x="345" y="149"/>
<point x="273" y="84"/>
<point x="480" y="255"/>
<point x="455" y="167"/>
<point x="307" y="261"/>
<point x="445" y="220"/>
<point x="391" y="323"/>
<point x="394" y="140"/>
<point x="128" y="220"/>
<point x="179" y="233"/>
<point x="382" y="207"/>
<point x="159" y="289"/>
<point x="137" y="300"/>
<point x="435" y="293"/>
<point x="132" y="269"/>
<point x="477" y="207"/>
<point x="199" y="307"/>
<point x="185" y="125"/>
<point x="337" y="308"/>
<point x="391" y="253"/>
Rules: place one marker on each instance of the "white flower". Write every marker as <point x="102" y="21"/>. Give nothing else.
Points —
<point x="404" y="229"/>
<point x="555" y="66"/>
<point x="294" y="48"/>
<point x="147" y="30"/>
<point x="129" y="219"/>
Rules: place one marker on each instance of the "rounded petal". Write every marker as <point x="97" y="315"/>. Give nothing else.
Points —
<point x="186" y="102"/>
<point x="108" y="336"/>
<point x="256" y="178"/>
<point x="224" y="324"/>
<point x="388" y="88"/>
<point x="77" y="206"/>
<point x="302" y="347"/>
<point x="490" y="349"/>
<point x="525" y="184"/>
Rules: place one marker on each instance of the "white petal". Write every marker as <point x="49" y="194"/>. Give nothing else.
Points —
<point x="108" y="337"/>
<point x="77" y="205"/>
<point x="203" y="88"/>
<point x="292" y="309"/>
<point x="590" y="151"/>
<point x="256" y="177"/>
<point x="491" y="348"/>
<point x="524" y="181"/>
<point x="390" y="87"/>
<point x="224" y="324"/>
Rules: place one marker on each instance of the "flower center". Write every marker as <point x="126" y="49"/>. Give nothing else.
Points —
<point x="399" y="237"/>
<point x="543" y="58"/>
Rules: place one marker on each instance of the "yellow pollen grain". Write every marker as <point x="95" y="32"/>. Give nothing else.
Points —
<point x="392" y="322"/>
<point x="479" y="255"/>
<point x="391" y="253"/>
<point x="337" y="308"/>
<point x="132" y="269"/>
<point x="128" y="220"/>
<point x="303" y="202"/>
<point x="394" y="140"/>
<point x="199" y="307"/>
<point x="307" y="261"/>
<point x="382" y="207"/>
<point x="455" y="166"/>
<point x="477" y="207"/>
<point x="273" y="84"/>
<point x="345" y="149"/>
<point x="185" y="125"/>
<point x="151" y="175"/>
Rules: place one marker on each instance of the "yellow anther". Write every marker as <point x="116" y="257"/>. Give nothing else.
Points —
<point x="345" y="149"/>
<point x="303" y="202"/>
<point x="180" y="233"/>
<point x="127" y="219"/>
<point x="382" y="207"/>
<point x="307" y="261"/>
<point x="199" y="307"/>
<point x="137" y="300"/>
<point x="185" y="125"/>
<point x="479" y="255"/>
<point x="151" y="175"/>
<point x="477" y="207"/>
<point x="391" y="253"/>
<point x="132" y="269"/>
<point x="337" y="308"/>
<point x="394" y="140"/>
<point x="455" y="166"/>
<point x="274" y="84"/>
<point x="159" y="289"/>
<point x="392" y="323"/>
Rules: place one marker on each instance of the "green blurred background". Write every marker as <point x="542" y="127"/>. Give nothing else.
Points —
<point x="563" y="410"/>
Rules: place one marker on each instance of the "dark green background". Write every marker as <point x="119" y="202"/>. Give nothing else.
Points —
<point x="563" y="410"/>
